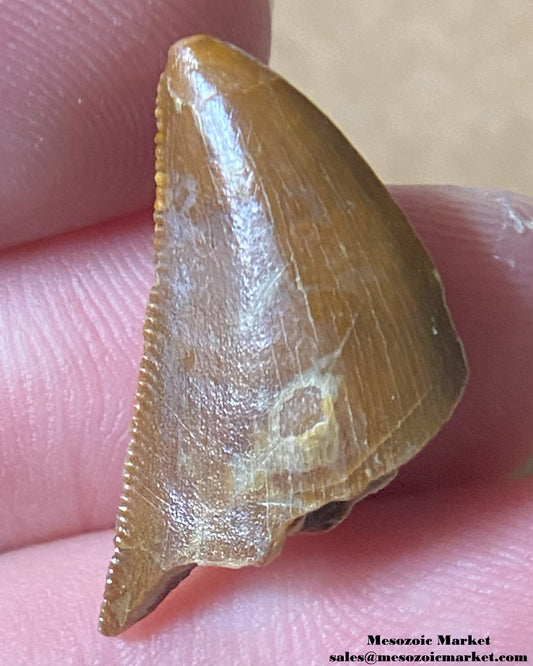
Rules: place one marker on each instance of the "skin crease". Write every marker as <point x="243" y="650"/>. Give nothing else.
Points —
<point x="446" y="549"/>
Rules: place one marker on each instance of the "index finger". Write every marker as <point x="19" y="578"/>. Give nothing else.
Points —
<point x="77" y="97"/>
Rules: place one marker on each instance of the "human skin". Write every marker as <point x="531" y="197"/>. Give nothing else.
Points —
<point x="446" y="549"/>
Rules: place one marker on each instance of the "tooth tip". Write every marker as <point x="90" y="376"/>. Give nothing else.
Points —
<point x="134" y="588"/>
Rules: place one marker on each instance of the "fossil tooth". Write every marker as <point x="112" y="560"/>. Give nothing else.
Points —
<point x="297" y="345"/>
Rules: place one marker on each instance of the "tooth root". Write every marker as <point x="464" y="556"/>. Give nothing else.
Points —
<point x="298" y="349"/>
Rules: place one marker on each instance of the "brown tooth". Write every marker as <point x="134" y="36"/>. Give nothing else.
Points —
<point x="297" y="345"/>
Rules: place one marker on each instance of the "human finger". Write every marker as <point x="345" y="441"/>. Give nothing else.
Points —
<point x="72" y="312"/>
<point x="450" y="563"/>
<point x="77" y="95"/>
